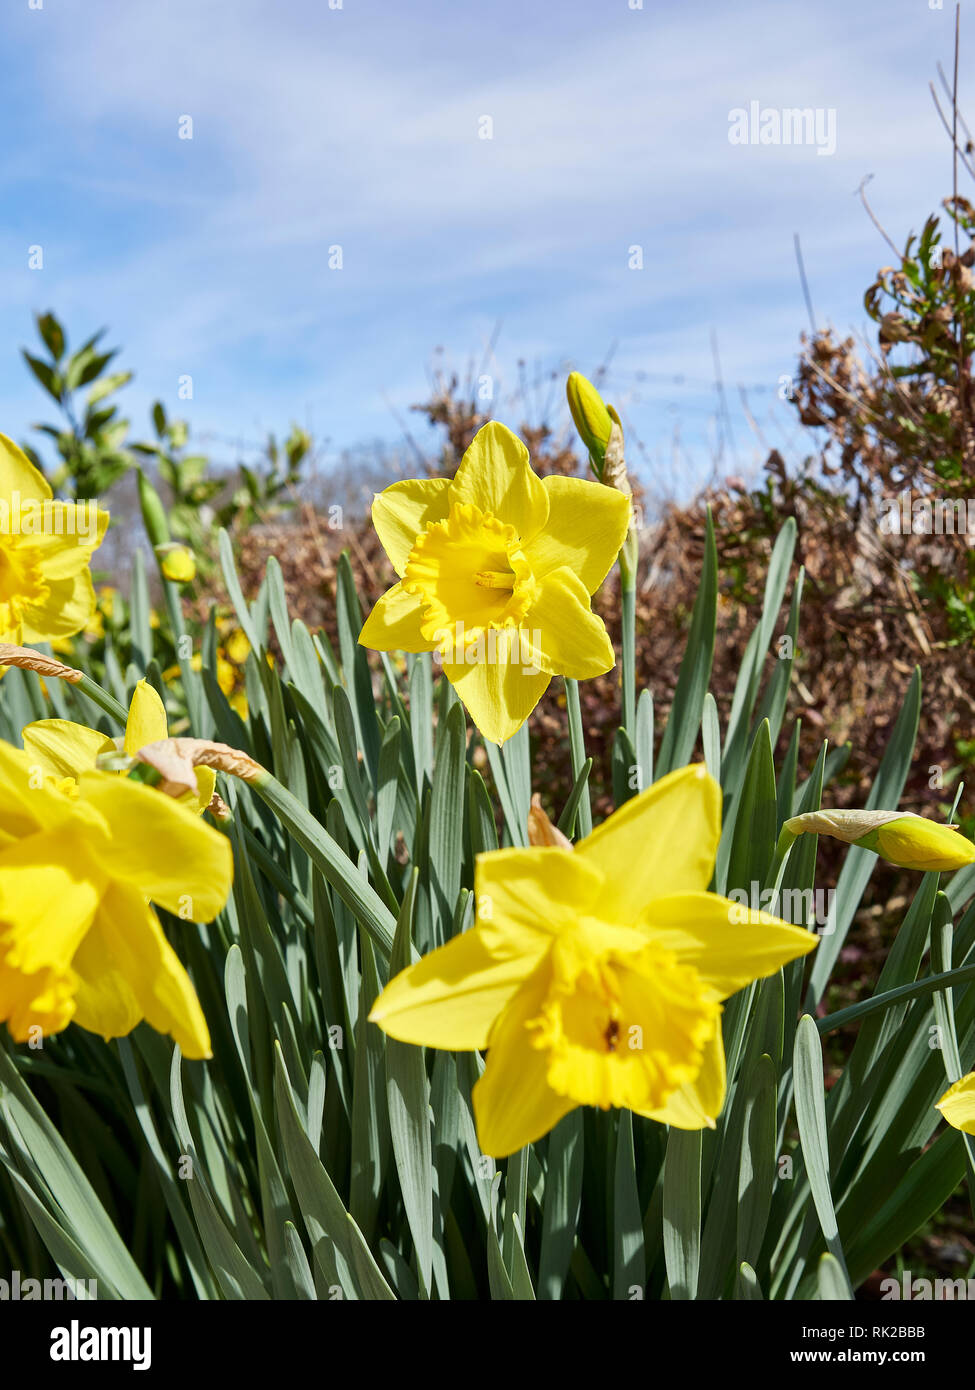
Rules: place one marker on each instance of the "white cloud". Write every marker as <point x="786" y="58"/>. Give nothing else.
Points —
<point x="313" y="127"/>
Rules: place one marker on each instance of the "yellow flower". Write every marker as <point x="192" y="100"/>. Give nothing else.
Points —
<point x="178" y="564"/>
<point x="237" y="647"/>
<point x="62" y="749"/>
<point x="957" y="1104"/>
<point x="78" y="938"/>
<point x="907" y="840"/>
<point x="45" y="552"/>
<point x="497" y="567"/>
<point x="595" y="976"/>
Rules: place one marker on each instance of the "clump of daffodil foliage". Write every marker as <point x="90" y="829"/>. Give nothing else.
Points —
<point x="303" y="994"/>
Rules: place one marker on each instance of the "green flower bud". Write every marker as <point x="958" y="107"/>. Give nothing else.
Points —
<point x="153" y="512"/>
<point x="593" y="418"/>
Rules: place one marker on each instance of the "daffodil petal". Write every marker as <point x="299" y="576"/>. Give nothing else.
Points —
<point x="569" y="639"/>
<point x="206" y="785"/>
<point x="401" y="512"/>
<point x="586" y="526"/>
<point x="105" y="1002"/>
<point x="147" y="719"/>
<point x="698" y="1103"/>
<point x="957" y="1104"/>
<point x="499" y="695"/>
<point x="916" y="843"/>
<point x="62" y="748"/>
<point x="49" y="892"/>
<point x="394" y="625"/>
<point x="530" y="895"/>
<point x="662" y="841"/>
<point x="451" y="998"/>
<point x="18" y="474"/>
<point x="65" y="609"/>
<point x="160" y="847"/>
<point x="513" y="1102"/>
<point x="728" y="944"/>
<point x="29" y="804"/>
<point x="76" y="529"/>
<point x="496" y="475"/>
<point x="130" y="935"/>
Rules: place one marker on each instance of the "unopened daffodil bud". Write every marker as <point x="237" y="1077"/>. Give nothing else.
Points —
<point x="153" y="512"/>
<point x="901" y="837"/>
<point x="177" y="562"/>
<point x="593" y="419"/>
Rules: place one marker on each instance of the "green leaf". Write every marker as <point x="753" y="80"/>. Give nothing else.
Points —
<point x="750" y="834"/>
<point x="336" y="1239"/>
<point x="560" y="1210"/>
<point x="629" y="1257"/>
<point x="682" y="1212"/>
<point x="681" y="732"/>
<point x="447" y="820"/>
<point x="811" y="1117"/>
<point x="69" y="1197"/>
<point x="47" y="375"/>
<point x="52" y="334"/>
<point x="884" y="795"/>
<point x="832" y="1280"/>
<point x="756" y="1172"/>
<point x="408" y="1093"/>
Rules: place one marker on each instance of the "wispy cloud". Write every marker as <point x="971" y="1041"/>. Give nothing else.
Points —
<point x="314" y="127"/>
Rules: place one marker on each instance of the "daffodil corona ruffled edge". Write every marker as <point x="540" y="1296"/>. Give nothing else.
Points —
<point x="79" y="868"/>
<point x="497" y="568"/>
<point x="595" y="976"/>
<point x="46" y="546"/>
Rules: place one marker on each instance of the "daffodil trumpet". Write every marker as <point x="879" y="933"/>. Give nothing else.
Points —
<point x="902" y="838"/>
<point x="595" y="975"/>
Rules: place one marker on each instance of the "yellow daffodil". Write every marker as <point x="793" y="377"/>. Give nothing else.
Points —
<point x="957" y="1104"/>
<point x="594" y="976"/>
<point x="236" y="646"/>
<point x="63" y="750"/>
<point x="46" y="547"/>
<point x="907" y="840"/>
<point x="177" y="563"/>
<point x="497" y="568"/>
<point x="78" y="937"/>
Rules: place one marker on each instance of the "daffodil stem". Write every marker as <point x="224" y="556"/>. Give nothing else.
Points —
<point x="516" y="1194"/>
<point x="577" y="752"/>
<point x="628" y="594"/>
<point x="102" y="699"/>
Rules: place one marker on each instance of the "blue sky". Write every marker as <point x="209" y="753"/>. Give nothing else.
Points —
<point x="315" y="127"/>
